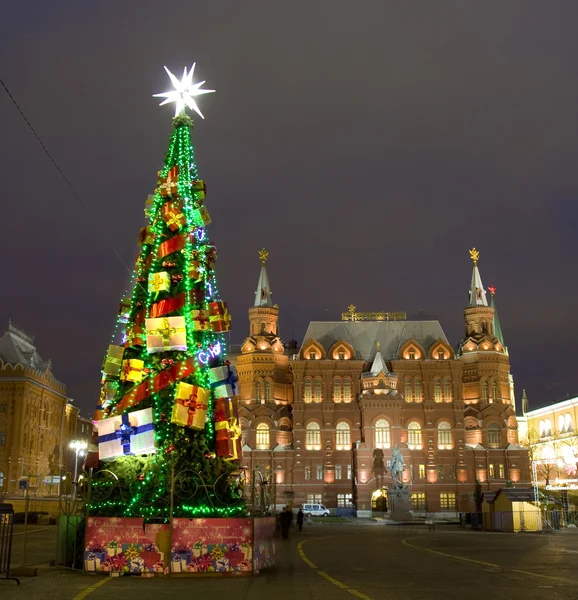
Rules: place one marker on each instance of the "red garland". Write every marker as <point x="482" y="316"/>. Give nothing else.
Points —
<point x="154" y="384"/>
<point x="177" y="242"/>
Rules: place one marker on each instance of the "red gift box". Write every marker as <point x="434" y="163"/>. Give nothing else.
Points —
<point x="173" y="215"/>
<point x="150" y="558"/>
<point x="168" y="186"/>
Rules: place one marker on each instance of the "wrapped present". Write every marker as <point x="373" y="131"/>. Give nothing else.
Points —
<point x="134" y="337"/>
<point x="124" y="310"/>
<point x="159" y="282"/>
<point x="199" y="190"/>
<point x="166" y="333"/>
<point x="146" y="236"/>
<point x="195" y="270"/>
<point x="168" y="186"/>
<point x="180" y="558"/>
<point x="113" y="360"/>
<point x="127" y="434"/>
<point x="173" y="215"/>
<point x="132" y="370"/>
<point x="201" y="216"/>
<point x="198" y="548"/>
<point x="224" y="380"/>
<point x="149" y="203"/>
<point x="219" y="316"/>
<point x="190" y="406"/>
<point x="201" y="321"/>
<point x="113" y="548"/>
<point x="228" y="439"/>
<point x="107" y="393"/>
<point x="93" y="560"/>
<point x="210" y="253"/>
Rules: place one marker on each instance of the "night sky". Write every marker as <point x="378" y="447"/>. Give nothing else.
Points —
<point x="367" y="145"/>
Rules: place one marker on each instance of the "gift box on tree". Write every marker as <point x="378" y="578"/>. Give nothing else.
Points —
<point x="126" y="434"/>
<point x="168" y="186"/>
<point x="124" y="310"/>
<point x="201" y="216"/>
<point x="190" y="406"/>
<point x="195" y="270"/>
<point x="224" y="380"/>
<point x="173" y="215"/>
<point x="134" y="337"/>
<point x="219" y="316"/>
<point x="228" y="439"/>
<point x="201" y="321"/>
<point x="210" y="253"/>
<point x="132" y="370"/>
<point x="149" y="203"/>
<point x="107" y="393"/>
<point x="199" y="190"/>
<point x="146" y="236"/>
<point x="166" y="333"/>
<point x="159" y="282"/>
<point x="113" y="359"/>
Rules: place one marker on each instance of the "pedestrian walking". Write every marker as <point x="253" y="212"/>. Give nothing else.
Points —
<point x="300" y="518"/>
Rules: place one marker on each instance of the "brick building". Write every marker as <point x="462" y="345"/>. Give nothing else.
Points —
<point x="37" y="418"/>
<point x="325" y="418"/>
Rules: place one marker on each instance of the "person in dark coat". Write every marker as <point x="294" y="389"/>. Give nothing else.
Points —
<point x="300" y="519"/>
<point x="285" y="522"/>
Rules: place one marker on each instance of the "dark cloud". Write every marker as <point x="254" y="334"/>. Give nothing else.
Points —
<point x="368" y="145"/>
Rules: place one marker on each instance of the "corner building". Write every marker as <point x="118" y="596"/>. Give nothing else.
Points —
<point x="325" y="418"/>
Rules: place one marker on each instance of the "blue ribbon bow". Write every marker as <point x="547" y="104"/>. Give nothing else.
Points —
<point x="125" y="433"/>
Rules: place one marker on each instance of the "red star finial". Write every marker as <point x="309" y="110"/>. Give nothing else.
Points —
<point x="492" y="289"/>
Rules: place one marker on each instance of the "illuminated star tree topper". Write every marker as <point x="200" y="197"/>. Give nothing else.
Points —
<point x="184" y="93"/>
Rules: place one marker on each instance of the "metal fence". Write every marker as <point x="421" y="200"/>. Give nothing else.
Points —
<point x="6" y="533"/>
<point x="519" y="521"/>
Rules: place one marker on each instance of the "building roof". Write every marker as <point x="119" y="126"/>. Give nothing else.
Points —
<point x="551" y="408"/>
<point x="263" y="295"/>
<point x="512" y="494"/>
<point x="17" y="347"/>
<point x="364" y="335"/>
<point x="378" y="364"/>
<point x="497" y="327"/>
<point x="477" y="292"/>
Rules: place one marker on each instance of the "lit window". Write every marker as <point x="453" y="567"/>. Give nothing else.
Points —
<point x="314" y="498"/>
<point x="493" y="435"/>
<point x="494" y="390"/>
<point x="267" y="391"/>
<point x="307" y="473"/>
<point x="418" y="501"/>
<point x="408" y="390"/>
<point x="452" y="471"/>
<point x="448" y="501"/>
<point x="417" y="396"/>
<point x="347" y="390"/>
<point x="317" y="390"/>
<point x="548" y="428"/>
<point x="348" y="471"/>
<point x="312" y="355"/>
<point x="445" y="441"/>
<point x="542" y="429"/>
<point x="344" y="500"/>
<point x="491" y="471"/>
<point x="313" y="436"/>
<point x="307" y="390"/>
<point x="258" y="391"/>
<point x="411" y="355"/>
<point x="501" y="471"/>
<point x="440" y="472"/>
<point x="341" y="355"/>
<point x="262" y="436"/>
<point x="484" y="390"/>
<point x="343" y="438"/>
<point x="337" y="471"/>
<point x="569" y="426"/>
<point x="337" y="395"/>
<point x="422" y="471"/>
<point x="448" y="395"/>
<point x="414" y="436"/>
<point x="561" y="424"/>
<point x="441" y="355"/>
<point x="437" y="390"/>
<point x="382" y="439"/>
<point x="319" y="472"/>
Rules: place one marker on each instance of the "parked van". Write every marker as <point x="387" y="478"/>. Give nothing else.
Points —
<point x="315" y="510"/>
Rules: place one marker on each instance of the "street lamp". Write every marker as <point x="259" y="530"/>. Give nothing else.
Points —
<point x="79" y="446"/>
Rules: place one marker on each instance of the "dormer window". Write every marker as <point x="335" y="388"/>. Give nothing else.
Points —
<point x="411" y="354"/>
<point x="341" y="355"/>
<point x="312" y="355"/>
<point x="441" y="355"/>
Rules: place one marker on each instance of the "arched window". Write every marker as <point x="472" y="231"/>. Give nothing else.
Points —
<point x="262" y="436"/>
<point x="417" y="396"/>
<point x="313" y="436"/>
<point x="561" y="424"/>
<point x="493" y="435"/>
<point x="337" y="395"/>
<point x="382" y="434"/>
<point x="437" y="390"/>
<point x="407" y="388"/>
<point x="448" y="395"/>
<point x="542" y="428"/>
<point x="1" y="480"/>
<point x="258" y="391"/>
<point x="484" y="390"/>
<point x="317" y="390"/>
<point x="494" y="390"/>
<point x="267" y="391"/>
<point x="343" y="437"/>
<point x="414" y="436"/>
<point x="307" y="390"/>
<point x="445" y="441"/>
<point x="347" y="390"/>
<point x="548" y="428"/>
<point x="569" y="424"/>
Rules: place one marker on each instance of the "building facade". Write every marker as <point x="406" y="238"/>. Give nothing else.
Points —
<point x="37" y="418"/>
<point x="551" y="436"/>
<point x="324" y="419"/>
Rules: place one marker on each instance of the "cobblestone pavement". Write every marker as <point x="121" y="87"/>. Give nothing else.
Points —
<point x="368" y="563"/>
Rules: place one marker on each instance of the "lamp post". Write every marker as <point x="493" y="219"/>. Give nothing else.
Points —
<point x="79" y="446"/>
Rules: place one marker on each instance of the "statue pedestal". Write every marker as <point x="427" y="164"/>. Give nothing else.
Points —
<point x="399" y="504"/>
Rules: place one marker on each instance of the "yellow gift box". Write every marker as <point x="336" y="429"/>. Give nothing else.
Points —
<point x="159" y="282"/>
<point x="166" y="333"/>
<point x="191" y="405"/>
<point x="132" y="370"/>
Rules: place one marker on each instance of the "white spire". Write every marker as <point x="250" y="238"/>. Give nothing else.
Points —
<point x="263" y="295"/>
<point x="378" y="363"/>
<point x="477" y="291"/>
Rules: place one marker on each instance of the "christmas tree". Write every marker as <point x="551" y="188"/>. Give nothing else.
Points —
<point x="166" y="428"/>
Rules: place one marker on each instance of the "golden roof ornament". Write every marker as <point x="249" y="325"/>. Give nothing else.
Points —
<point x="474" y="255"/>
<point x="263" y="255"/>
<point x="378" y="346"/>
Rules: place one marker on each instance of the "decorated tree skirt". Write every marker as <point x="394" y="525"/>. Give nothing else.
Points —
<point x="192" y="546"/>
